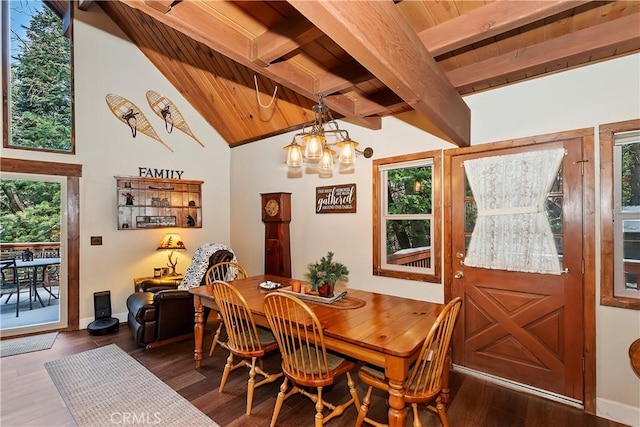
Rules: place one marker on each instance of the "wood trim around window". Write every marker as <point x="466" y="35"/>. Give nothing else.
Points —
<point x="73" y="173"/>
<point x="607" y="283"/>
<point x="436" y="246"/>
<point x="6" y="76"/>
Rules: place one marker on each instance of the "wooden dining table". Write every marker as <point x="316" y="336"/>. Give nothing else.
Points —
<point x="382" y="330"/>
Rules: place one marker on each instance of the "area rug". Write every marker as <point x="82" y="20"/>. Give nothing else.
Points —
<point x="106" y="387"/>
<point x="27" y="344"/>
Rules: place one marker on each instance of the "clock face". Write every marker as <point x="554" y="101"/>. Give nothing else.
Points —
<point x="272" y="207"/>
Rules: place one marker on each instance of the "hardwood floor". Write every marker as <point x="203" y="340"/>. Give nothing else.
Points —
<point x="29" y="398"/>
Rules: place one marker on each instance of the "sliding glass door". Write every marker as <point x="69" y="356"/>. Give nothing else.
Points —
<point x="33" y="229"/>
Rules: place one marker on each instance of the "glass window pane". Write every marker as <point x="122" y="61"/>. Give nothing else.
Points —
<point x="405" y="235"/>
<point x="630" y="179"/>
<point x="467" y="187"/>
<point x="409" y="191"/>
<point x="554" y="213"/>
<point x="30" y="211"/>
<point x="40" y="78"/>
<point x="631" y="250"/>
<point x="557" y="184"/>
<point x="470" y="215"/>
<point x="558" y="240"/>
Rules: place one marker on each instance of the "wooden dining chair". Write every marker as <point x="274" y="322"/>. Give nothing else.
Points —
<point x="244" y="339"/>
<point x="425" y="381"/>
<point x="305" y="360"/>
<point x="223" y="271"/>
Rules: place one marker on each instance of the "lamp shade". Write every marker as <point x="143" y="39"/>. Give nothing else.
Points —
<point x="172" y="241"/>
<point x="294" y="155"/>
<point x="326" y="161"/>
<point x="347" y="151"/>
<point x="313" y="147"/>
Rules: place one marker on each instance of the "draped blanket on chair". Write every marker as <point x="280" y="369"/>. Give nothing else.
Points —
<point x="200" y="264"/>
<point x="512" y="231"/>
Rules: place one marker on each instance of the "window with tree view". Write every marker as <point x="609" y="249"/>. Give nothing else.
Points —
<point x="30" y="211"/>
<point x="408" y="206"/>
<point x="626" y="215"/>
<point x="36" y="79"/>
<point x="620" y="214"/>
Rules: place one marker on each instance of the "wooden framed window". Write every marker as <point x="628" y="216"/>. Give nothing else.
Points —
<point x="620" y="214"/>
<point x="406" y="223"/>
<point x="37" y="77"/>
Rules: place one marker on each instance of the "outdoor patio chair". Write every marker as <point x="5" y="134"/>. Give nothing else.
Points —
<point x="12" y="283"/>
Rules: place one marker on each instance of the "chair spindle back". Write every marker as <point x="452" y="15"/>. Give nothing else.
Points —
<point x="299" y="335"/>
<point x="426" y="376"/>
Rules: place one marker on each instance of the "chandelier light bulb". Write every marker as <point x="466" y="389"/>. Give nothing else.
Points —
<point x="294" y="155"/>
<point x="326" y="161"/>
<point x="347" y="152"/>
<point x="317" y="151"/>
<point x="313" y="147"/>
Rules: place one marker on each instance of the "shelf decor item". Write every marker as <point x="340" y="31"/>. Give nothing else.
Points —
<point x="173" y="242"/>
<point x="324" y="274"/>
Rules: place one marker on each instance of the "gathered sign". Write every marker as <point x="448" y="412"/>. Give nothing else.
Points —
<point x="336" y="199"/>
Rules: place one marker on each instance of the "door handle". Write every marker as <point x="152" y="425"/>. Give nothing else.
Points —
<point x="458" y="274"/>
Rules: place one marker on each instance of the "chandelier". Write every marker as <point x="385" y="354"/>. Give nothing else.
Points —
<point x="318" y="150"/>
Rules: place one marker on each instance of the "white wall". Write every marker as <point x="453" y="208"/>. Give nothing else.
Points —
<point x="106" y="62"/>
<point x="586" y="97"/>
<point x="260" y="168"/>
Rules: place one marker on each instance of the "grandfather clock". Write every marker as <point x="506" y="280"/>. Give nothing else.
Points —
<point x="276" y="215"/>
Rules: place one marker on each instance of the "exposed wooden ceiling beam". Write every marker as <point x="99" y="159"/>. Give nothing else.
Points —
<point x="489" y="21"/>
<point x="85" y="4"/>
<point x="282" y="39"/>
<point x="621" y="34"/>
<point x="215" y="32"/>
<point x="162" y="6"/>
<point x="396" y="56"/>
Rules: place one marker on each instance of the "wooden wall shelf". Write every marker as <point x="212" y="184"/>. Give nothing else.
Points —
<point x="145" y="203"/>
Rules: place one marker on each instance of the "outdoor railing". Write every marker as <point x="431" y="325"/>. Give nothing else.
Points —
<point x="38" y="250"/>
<point x="417" y="258"/>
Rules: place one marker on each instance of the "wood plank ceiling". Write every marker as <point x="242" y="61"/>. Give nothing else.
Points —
<point x="370" y="59"/>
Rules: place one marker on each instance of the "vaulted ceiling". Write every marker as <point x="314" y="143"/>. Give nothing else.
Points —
<point x="370" y="59"/>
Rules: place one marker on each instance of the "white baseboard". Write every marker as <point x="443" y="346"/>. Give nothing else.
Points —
<point x="617" y="411"/>
<point x="122" y="317"/>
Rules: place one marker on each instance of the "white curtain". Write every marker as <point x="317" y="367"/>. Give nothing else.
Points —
<point x="512" y="231"/>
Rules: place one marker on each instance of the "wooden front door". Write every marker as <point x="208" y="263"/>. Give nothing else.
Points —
<point x="524" y="327"/>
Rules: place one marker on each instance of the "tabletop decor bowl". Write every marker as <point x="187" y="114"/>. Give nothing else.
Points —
<point x="324" y="274"/>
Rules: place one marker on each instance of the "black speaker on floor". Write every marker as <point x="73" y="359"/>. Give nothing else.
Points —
<point x="104" y="323"/>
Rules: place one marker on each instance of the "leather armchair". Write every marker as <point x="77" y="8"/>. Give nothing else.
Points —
<point x="161" y="313"/>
